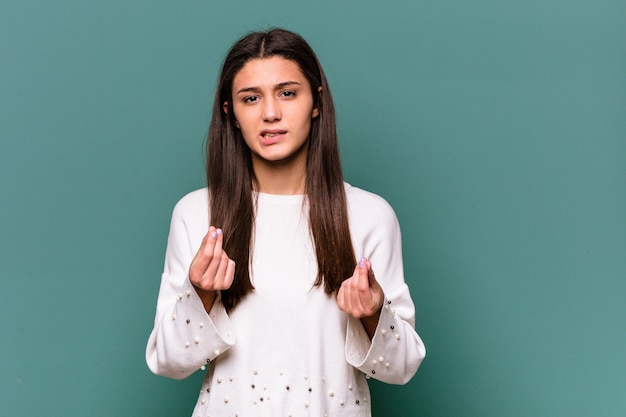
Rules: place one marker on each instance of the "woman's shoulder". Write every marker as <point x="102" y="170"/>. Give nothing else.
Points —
<point x="193" y="203"/>
<point x="366" y="203"/>
<point x="359" y="195"/>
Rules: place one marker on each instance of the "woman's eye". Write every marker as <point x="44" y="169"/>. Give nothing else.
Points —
<point x="250" y="99"/>
<point x="288" y="93"/>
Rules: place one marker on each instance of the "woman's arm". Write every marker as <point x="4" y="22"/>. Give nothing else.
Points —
<point x="394" y="351"/>
<point x="189" y="330"/>
<point x="361" y="296"/>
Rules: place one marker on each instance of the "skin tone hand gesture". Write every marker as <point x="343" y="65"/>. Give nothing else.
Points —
<point x="362" y="297"/>
<point x="211" y="269"/>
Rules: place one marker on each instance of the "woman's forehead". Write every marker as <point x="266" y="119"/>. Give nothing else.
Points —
<point x="268" y="72"/>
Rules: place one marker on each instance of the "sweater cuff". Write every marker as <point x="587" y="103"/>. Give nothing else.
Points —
<point x="218" y="323"/>
<point x="363" y="353"/>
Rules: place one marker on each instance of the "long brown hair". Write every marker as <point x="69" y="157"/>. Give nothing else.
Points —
<point x="231" y="179"/>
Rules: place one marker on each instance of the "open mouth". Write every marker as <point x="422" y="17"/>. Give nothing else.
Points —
<point x="270" y="135"/>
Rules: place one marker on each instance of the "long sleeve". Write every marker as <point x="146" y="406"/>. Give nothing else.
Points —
<point x="291" y="342"/>
<point x="185" y="337"/>
<point x="395" y="352"/>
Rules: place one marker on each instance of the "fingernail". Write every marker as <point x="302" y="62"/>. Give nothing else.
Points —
<point x="214" y="235"/>
<point x="362" y="262"/>
<point x="219" y="231"/>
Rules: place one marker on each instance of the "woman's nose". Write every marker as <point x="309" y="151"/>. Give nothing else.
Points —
<point x="271" y="110"/>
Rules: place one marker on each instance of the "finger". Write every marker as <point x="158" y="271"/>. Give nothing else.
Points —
<point x="359" y="290"/>
<point x="203" y="256"/>
<point x="370" y="293"/>
<point x="343" y="296"/>
<point x="219" y="240"/>
<point x="220" y="279"/>
<point x="215" y="258"/>
<point x="230" y="274"/>
<point x="340" y="295"/>
<point x="371" y="277"/>
<point x="354" y="298"/>
<point x="209" y="247"/>
<point x="362" y="275"/>
<point x="205" y="253"/>
<point x="372" y="283"/>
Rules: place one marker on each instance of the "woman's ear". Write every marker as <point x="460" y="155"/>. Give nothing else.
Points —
<point x="225" y="108"/>
<point x="316" y="110"/>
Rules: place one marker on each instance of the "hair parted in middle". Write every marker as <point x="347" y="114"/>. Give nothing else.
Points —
<point x="231" y="180"/>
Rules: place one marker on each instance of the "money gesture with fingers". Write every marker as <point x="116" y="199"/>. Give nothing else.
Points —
<point x="361" y="296"/>
<point x="211" y="269"/>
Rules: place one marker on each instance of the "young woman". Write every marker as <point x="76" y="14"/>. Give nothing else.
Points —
<point x="261" y="286"/>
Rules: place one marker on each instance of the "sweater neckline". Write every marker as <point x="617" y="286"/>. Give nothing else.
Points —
<point x="283" y="199"/>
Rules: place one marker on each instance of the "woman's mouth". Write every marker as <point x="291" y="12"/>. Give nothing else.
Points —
<point x="271" y="137"/>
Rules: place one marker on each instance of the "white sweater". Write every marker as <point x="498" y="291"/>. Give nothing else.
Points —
<point x="286" y="349"/>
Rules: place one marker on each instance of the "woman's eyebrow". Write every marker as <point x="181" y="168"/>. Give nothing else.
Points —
<point x="278" y="86"/>
<point x="249" y="90"/>
<point x="287" y="83"/>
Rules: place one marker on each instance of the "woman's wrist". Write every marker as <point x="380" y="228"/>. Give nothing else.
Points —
<point x="370" y="323"/>
<point x="207" y="297"/>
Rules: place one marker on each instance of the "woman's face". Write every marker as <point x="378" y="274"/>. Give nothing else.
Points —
<point x="273" y="107"/>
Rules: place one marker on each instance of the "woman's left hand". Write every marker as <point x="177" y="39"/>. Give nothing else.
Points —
<point x="361" y="296"/>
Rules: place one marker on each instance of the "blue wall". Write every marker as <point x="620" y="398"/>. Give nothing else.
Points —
<point x="497" y="130"/>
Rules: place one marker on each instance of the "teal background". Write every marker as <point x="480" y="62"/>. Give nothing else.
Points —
<point x="496" y="129"/>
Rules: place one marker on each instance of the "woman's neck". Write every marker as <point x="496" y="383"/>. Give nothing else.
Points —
<point x="279" y="178"/>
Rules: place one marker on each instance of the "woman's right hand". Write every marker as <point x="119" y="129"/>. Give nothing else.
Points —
<point x="211" y="269"/>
